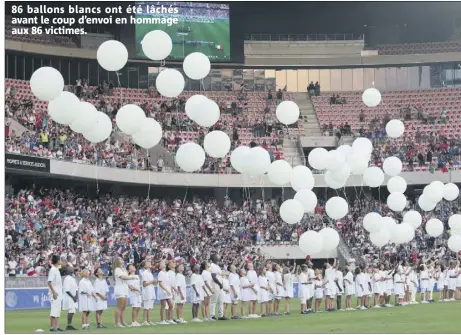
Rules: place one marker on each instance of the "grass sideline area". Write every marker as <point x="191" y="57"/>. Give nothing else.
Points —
<point x="217" y="32"/>
<point x="422" y="318"/>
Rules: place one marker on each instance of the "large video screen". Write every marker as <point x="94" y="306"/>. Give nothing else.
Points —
<point x="193" y="27"/>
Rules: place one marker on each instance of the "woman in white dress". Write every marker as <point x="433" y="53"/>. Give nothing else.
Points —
<point x="319" y="287"/>
<point x="165" y="295"/>
<point x="171" y="271"/>
<point x="271" y="279"/>
<point x="134" y="285"/>
<point x="399" y="287"/>
<point x="452" y="278"/>
<point x="377" y="283"/>
<point x="208" y="280"/>
<point x="180" y="283"/>
<point x="288" y="280"/>
<point x="197" y="287"/>
<point x="121" y="290"/>
<point x="264" y="296"/>
<point x="424" y="282"/>
<point x="279" y="294"/>
<point x="235" y="292"/>
<point x="254" y="292"/>
<point x="349" y="288"/>
<point x="102" y="292"/>
<point x="147" y="292"/>
<point x="225" y="293"/>
<point x="439" y="277"/>
<point x="87" y="298"/>
<point x="458" y="284"/>
<point x="246" y="290"/>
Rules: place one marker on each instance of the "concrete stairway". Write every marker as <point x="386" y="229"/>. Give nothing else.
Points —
<point x="291" y="152"/>
<point x="308" y="116"/>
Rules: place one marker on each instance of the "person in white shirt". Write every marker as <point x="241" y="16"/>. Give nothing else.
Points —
<point x="279" y="288"/>
<point x="69" y="299"/>
<point x="86" y="298"/>
<point x="452" y="277"/>
<point x="362" y="288"/>
<point x="165" y="295"/>
<point x="208" y="280"/>
<point x="288" y="286"/>
<point x="134" y="286"/>
<point x="440" y="277"/>
<point x="271" y="279"/>
<point x="424" y="282"/>
<point x="264" y="290"/>
<point x="234" y="284"/>
<point x="102" y="292"/>
<point x="376" y="283"/>
<point x="254" y="292"/>
<point x="121" y="290"/>
<point x="339" y="281"/>
<point x="349" y="286"/>
<point x="302" y="288"/>
<point x="413" y="282"/>
<point x="430" y="289"/>
<point x="399" y="287"/>
<point x="55" y="292"/>
<point x="247" y="290"/>
<point x="198" y="288"/>
<point x="180" y="284"/>
<point x="147" y="292"/>
<point x="215" y="271"/>
<point x="330" y="284"/>
<point x="310" y="286"/>
<point x="171" y="266"/>
<point x="225" y="294"/>
<point x="319" y="286"/>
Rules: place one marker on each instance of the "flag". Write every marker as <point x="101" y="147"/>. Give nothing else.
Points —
<point x="101" y="241"/>
<point x="31" y="272"/>
<point x="219" y="47"/>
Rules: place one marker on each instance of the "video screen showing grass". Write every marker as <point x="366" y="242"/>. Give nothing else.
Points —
<point x="200" y="27"/>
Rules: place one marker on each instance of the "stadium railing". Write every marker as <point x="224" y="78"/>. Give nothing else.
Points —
<point x="303" y="37"/>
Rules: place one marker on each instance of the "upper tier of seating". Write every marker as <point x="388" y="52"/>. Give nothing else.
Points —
<point x="418" y="48"/>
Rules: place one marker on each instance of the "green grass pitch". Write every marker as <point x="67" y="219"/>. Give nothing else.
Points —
<point x="217" y="32"/>
<point x="422" y="318"/>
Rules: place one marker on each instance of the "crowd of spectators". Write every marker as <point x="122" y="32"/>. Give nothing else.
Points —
<point x="89" y="232"/>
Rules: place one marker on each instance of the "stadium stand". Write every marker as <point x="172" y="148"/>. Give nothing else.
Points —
<point x="418" y="48"/>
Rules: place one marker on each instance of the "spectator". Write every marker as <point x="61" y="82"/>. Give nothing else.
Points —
<point x="311" y="89"/>
<point x="317" y="89"/>
<point x="279" y="96"/>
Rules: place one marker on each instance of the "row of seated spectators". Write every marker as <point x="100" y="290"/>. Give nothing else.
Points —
<point x="418" y="48"/>
<point x="432" y="122"/>
<point x="41" y="221"/>
<point x="247" y="119"/>
<point x="43" y="39"/>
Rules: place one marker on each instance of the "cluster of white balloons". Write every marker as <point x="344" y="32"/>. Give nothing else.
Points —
<point x="312" y="242"/>
<point x="435" y="192"/>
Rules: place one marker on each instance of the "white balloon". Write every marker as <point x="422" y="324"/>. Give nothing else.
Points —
<point x="101" y="130"/>
<point x="397" y="234"/>
<point x="434" y="227"/>
<point x="396" y="184"/>
<point x="149" y="135"/>
<point x="330" y="238"/>
<point x="208" y="113"/>
<point x="336" y="208"/>
<point x="332" y="182"/>
<point x="454" y="222"/>
<point x="238" y="158"/>
<point x="396" y="202"/>
<point x="196" y="65"/>
<point x="335" y="160"/>
<point x="450" y="192"/>
<point x="287" y="112"/>
<point x="257" y="162"/>
<point x="345" y="149"/>
<point x="380" y="238"/>
<point x="311" y="242"/>
<point x="279" y="172"/>
<point x="413" y="218"/>
<point x="302" y="178"/>
<point x="86" y="118"/>
<point x="392" y="166"/>
<point x="408" y="232"/>
<point x="388" y="223"/>
<point x="157" y="45"/>
<point x="357" y="162"/>
<point x="217" y="144"/>
<point x="454" y="243"/>
<point x="112" y="55"/>
<point x="455" y="232"/>
<point x="130" y="118"/>
<point x="373" y="176"/>
<point x="435" y="191"/>
<point x="342" y="174"/>
<point x="395" y="128"/>
<point x="372" y="222"/>
<point x="308" y="199"/>
<point x="291" y="211"/>
<point x="317" y="158"/>
<point x="371" y="97"/>
<point x="170" y="83"/>
<point x="64" y="109"/>
<point x="363" y="146"/>
<point x="46" y="83"/>
<point x="190" y="157"/>
<point x="193" y="105"/>
<point x="425" y="203"/>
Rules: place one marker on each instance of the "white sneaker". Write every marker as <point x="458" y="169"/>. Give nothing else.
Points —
<point x="135" y="324"/>
<point x="363" y="308"/>
<point x="196" y="320"/>
<point x="424" y="302"/>
<point x="171" y="322"/>
<point x="145" y="323"/>
<point x="389" y="305"/>
<point x="452" y="299"/>
<point x="163" y="323"/>
<point x="376" y="306"/>
<point x="179" y="321"/>
<point x="120" y="326"/>
<point x="183" y="321"/>
<point x="152" y="323"/>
